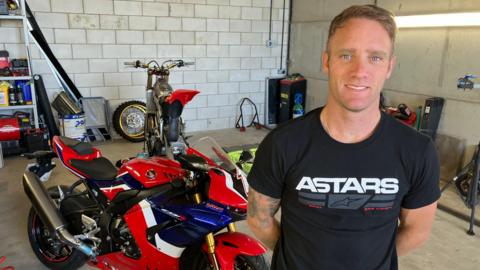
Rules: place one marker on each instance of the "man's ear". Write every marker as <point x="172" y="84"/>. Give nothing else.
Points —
<point x="391" y="65"/>
<point x="325" y="66"/>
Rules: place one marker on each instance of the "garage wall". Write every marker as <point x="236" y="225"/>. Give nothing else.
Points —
<point x="429" y="61"/>
<point x="226" y="39"/>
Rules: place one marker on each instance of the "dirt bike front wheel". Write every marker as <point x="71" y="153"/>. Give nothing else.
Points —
<point x="174" y="129"/>
<point x="129" y="120"/>
<point x="154" y="145"/>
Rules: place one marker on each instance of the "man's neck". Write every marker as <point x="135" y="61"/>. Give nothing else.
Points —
<point x="349" y="127"/>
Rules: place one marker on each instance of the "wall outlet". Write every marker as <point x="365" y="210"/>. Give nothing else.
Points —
<point x="269" y="43"/>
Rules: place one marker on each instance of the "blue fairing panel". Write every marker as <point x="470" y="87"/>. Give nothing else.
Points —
<point x="193" y="222"/>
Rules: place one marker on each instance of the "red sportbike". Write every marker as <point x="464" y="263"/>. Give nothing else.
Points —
<point x="151" y="213"/>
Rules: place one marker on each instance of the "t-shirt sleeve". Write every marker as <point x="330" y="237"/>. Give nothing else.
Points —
<point x="266" y="175"/>
<point x="424" y="188"/>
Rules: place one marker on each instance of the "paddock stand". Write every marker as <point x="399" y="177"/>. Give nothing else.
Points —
<point x="255" y="120"/>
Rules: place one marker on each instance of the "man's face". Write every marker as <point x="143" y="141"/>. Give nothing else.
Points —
<point x="358" y="63"/>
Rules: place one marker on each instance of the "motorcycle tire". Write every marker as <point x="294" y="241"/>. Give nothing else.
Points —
<point x="194" y="259"/>
<point x="51" y="252"/>
<point x="463" y="184"/>
<point x="153" y="144"/>
<point x="128" y="120"/>
<point x="174" y="129"/>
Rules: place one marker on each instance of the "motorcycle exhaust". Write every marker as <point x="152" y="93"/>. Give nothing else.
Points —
<point x="48" y="213"/>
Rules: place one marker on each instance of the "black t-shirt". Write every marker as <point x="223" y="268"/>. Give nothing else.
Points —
<point x="341" y="202"/>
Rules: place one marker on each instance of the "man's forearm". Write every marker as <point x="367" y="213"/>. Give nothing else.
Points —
<point x="261" y="218"/>
<point x="415" y="226"/>
<point x="409" y="239"/>
<point x="267" y="231"/>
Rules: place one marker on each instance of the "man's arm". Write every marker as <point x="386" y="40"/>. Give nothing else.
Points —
<point x="415" y="226"/>
<point x="260" y="217"/>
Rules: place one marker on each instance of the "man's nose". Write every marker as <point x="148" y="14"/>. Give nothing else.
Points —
<point x="359" y="67"/>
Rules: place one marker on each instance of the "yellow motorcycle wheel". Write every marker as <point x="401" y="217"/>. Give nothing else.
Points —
<point x="129" y="120"/>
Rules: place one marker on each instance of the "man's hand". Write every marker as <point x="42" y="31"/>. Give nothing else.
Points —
<point x="260" y="217"/>
<point x="415" y="226"/>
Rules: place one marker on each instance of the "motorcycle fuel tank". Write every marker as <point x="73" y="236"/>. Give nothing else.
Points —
<point x="152" y="171"/>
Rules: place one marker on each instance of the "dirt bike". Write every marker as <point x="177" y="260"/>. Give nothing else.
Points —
<point x="158" y="121"/>
<point x="151" y="213"/>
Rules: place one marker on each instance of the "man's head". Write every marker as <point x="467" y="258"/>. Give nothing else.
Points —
<point x="359" y="57"/>
<point x="370" y="12"/>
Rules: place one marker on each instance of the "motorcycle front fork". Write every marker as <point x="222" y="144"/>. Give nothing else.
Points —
<point x="210" y="240"/>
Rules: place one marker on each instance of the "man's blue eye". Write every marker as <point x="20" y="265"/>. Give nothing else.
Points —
<point x="346" y="57"/>
<point x="376" y="58"/>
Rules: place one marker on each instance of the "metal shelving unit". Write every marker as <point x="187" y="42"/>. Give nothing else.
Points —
<point x="26" y="39"/>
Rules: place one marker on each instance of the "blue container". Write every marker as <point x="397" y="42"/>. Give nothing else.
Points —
<point x="26" y="90"/>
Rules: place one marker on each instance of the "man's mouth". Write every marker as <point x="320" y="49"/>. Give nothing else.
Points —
<point x="356" y="87"/>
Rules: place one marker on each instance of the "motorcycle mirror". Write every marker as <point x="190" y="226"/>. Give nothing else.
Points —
<point x="245" y="156"/>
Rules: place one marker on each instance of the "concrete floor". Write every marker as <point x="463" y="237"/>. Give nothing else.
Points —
<point x="449" y="247"/>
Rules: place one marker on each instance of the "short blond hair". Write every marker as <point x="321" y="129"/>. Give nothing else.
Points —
<point x="371" y="12"/>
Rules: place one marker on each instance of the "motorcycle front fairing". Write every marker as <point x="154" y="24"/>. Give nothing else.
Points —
<point x="229" y="245"/>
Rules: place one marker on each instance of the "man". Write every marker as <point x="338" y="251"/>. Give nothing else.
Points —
<point x="356" y="187"/>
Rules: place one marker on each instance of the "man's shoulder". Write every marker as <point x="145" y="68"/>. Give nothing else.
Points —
<point x="297" y="126"/>
<point x="404" y="134"/>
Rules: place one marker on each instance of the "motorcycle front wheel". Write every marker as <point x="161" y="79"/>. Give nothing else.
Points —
<point x="463" y="185"/>
<point x="174" y="129"/>
<point x="50" y="251"/>
<point x="198" y="260"/>
<point x="129" y="120"/>
<point x="154" y="144"/>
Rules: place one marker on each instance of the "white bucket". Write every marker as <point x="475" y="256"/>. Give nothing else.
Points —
<point x="73" y="126"/>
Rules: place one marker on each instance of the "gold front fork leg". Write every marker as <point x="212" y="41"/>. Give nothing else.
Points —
<point x="209" y="239"/>
<point x="231" y="227"/>
<point x="211" y="251"/>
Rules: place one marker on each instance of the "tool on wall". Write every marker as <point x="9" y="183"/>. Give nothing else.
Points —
<point x="466" y="82"/>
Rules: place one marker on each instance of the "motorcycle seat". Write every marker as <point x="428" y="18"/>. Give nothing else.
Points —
<point x="82" y="148"/>
<point x="97" y="168"/>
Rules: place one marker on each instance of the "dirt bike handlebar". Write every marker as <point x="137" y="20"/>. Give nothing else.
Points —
<point x="136" y="64"/>
<point x="168" y="64"/>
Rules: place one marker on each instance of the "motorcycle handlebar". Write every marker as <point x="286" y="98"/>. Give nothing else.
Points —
<point x="176" y="63"/>
<point x="135" y="64"/>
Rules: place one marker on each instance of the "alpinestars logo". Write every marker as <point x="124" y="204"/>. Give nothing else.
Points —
<point x="348" y="193"/>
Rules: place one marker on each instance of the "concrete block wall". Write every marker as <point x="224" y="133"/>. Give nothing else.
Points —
<point x="225" y="38"/>
<point x="429" y="60"/>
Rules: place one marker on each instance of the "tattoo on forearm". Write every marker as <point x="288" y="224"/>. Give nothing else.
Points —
<point x="262" y="207"/>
